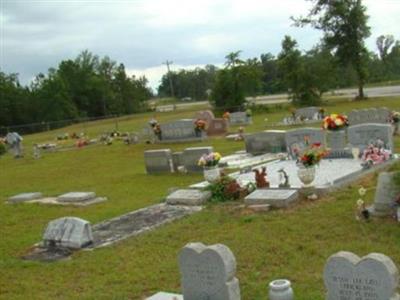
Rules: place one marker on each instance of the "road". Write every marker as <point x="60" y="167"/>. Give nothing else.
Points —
<point x="382" y="91"/>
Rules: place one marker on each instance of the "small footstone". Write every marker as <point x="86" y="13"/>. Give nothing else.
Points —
<point x="25" y="197"/>
<point x="165" y="296"/>
<point x="76" y="197"/>
<point x="188" y="197"/>
<point x="275" y="198"/>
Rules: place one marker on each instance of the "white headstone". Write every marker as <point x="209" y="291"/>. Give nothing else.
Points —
<point x="373" y="277"/>
<point x="76" y="196"/>
<point x="385" y="195"/>
<point x="274" y="197"/>
<point x="188" y="197"/>
<point x="208" y="272"/>
<point x="69" y="232"/>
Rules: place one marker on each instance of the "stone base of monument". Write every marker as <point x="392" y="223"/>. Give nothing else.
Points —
<point x="259" y="207"/>
<point x="188" y="197"/>
<point x="165" y="296"/>
<point x="277" y="198"/>
<point x="25" y="197"/>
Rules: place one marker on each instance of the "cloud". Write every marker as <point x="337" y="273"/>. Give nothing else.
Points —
<point x="38" y="34"/>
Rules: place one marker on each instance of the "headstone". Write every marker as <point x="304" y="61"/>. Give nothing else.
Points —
<point x="384" y="114"/>
<point x="179" y="130"/>
<point x="25" y="197"/>
<point x="269" y="141"/>
<point x="276" y="198"/>
<point x="353" y="117"/>
<point x="188" y="197"/>
<point x="217" y="126"/>
<point x="76" y="197"/>
<point x="191" y="156"/>
<point x="208" y="272"/>
<point x="239" y="118"/>
<point x="69" y="232"/>
<point x="296" y="138"/>
<point x="386" y="193"/>
<point x="158" y="161"/>
<point x="373" y="277"/>
<point x="364" y="134"/>
<point x="307" y="112"/>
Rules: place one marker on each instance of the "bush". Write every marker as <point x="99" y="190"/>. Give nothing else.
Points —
<point x="3" y="149"/>
<point x="226" y="189"/>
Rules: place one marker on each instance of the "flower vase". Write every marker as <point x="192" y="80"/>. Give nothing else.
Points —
<point x="306" y="175"/>
<point x="280" y="290"/>
<point x="212" y="174"/>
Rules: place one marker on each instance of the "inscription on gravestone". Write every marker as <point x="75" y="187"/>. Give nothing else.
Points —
<point x="208" y="273"/>
<point x="373" y="277"/>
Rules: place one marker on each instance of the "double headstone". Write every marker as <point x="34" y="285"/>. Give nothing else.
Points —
<point x="369" y="115"/>
<point x="373" y="277"/>
<point x="309" y="113"/>
<point x="180" y="130"/>
<point x="298" y="138"/>
<point x="68" y="232"/>
<point x="191" y="156"/>
<point x="364" y="134"/>
<point x="208" y="272"/>
<point x="269" y="141"/>
<point x="158" y="161"/>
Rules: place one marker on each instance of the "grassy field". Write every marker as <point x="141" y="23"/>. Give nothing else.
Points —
<point x="292" y="243"/>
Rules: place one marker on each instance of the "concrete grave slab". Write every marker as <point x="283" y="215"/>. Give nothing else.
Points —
<point x="277" y="198"/>
<point x="165" y="296"/>
<point x="25" y="197"/>
<point x="188" y="197"/>
<point x="76" y="197"/>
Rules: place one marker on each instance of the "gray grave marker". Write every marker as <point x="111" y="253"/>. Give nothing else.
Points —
<point x="385" y="195"/>
<point x="76" y="197"/>
<point x="208" y="272"/>
<point x="238" y="118"/>
<point x="373" y="277"/>
<point x="363" y="134"/>
<point x="275" y="198"/>
<point x="296" y="138"/>
<point x="191" y="156"/>
<point x="179" y="130"/>
<point x="25" y="197"/>
<point x="69" y="232"/>
<point x="188" y="197"/>
<point x="158" y="161"/>
<point x="269" y="141"/>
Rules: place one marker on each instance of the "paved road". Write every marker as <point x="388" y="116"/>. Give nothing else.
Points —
<point x="383" y="91"/>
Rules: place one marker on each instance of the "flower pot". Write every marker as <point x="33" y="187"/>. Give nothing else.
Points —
<point x="306" y="174"/>
<point x="280" y="290"/>
<point x="212" y="174"/>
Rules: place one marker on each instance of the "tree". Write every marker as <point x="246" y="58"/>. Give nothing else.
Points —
<point x="344" y="24"/>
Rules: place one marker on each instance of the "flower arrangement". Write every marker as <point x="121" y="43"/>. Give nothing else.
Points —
<point x="248" y="112"/>
<point x="335" y="122"/>
<point x="226" y="115"/>
<point x="209" y="160"/>
<point x="312" y="155"/>
<point x="375" y="154"/>
<point x="395" y="117"/>
<point x="200" y="124"/>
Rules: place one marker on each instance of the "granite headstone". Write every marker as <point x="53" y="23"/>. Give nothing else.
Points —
<point x="364" y="134"/>
<point x="269" y="141"/>
<point x="158" y="161"/>
<point x="385" y="195"/>
<point x="191" y="156"/>
<point x="296" y="138"/>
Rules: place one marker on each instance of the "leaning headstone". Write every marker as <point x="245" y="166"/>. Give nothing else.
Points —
<point x="158" y="161"/>
<point x="25" y="197"/>
<point x="76" y="197"/>
<point x="269" y="141"/>
<point x="217" y="126"/>
<point x="191" y="156"/>
<point x="69" y="232"/>
<point x="386" y="193"/>
<point x="296" y="138"/>
<point x="373" y="277"/>
<point x="188" y="197"/>
<point x="208" y="272"/>
<point x="276" y="198"/>
<point x="364" y="134"/>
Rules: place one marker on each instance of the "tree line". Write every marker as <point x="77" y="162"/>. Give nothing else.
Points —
<point x="87" y="86"/>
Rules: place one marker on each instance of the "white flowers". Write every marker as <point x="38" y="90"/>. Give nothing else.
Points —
<point x="362" y="191"/>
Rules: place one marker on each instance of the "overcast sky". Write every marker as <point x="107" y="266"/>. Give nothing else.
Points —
<point x="141" y="34"/>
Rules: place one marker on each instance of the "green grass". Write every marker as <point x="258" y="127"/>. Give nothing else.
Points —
<point x="292" y="243"/>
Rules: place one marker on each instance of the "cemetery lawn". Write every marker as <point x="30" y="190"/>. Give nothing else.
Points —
<point x="292" y="243"/>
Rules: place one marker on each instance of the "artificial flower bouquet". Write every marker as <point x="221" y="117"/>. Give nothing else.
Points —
<point x="312" y="155"/>
<point x="375" y="153"/>
<point x="395" y="117"/>
<point x="209" y="160"/>
<point x="200" y="124"/>
<point x="335" y="122"/>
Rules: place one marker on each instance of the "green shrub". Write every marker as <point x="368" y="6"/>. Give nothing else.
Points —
<point x="3" y="149"/>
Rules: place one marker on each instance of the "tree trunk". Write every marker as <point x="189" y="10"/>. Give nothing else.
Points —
<point x="360" y="91"/>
